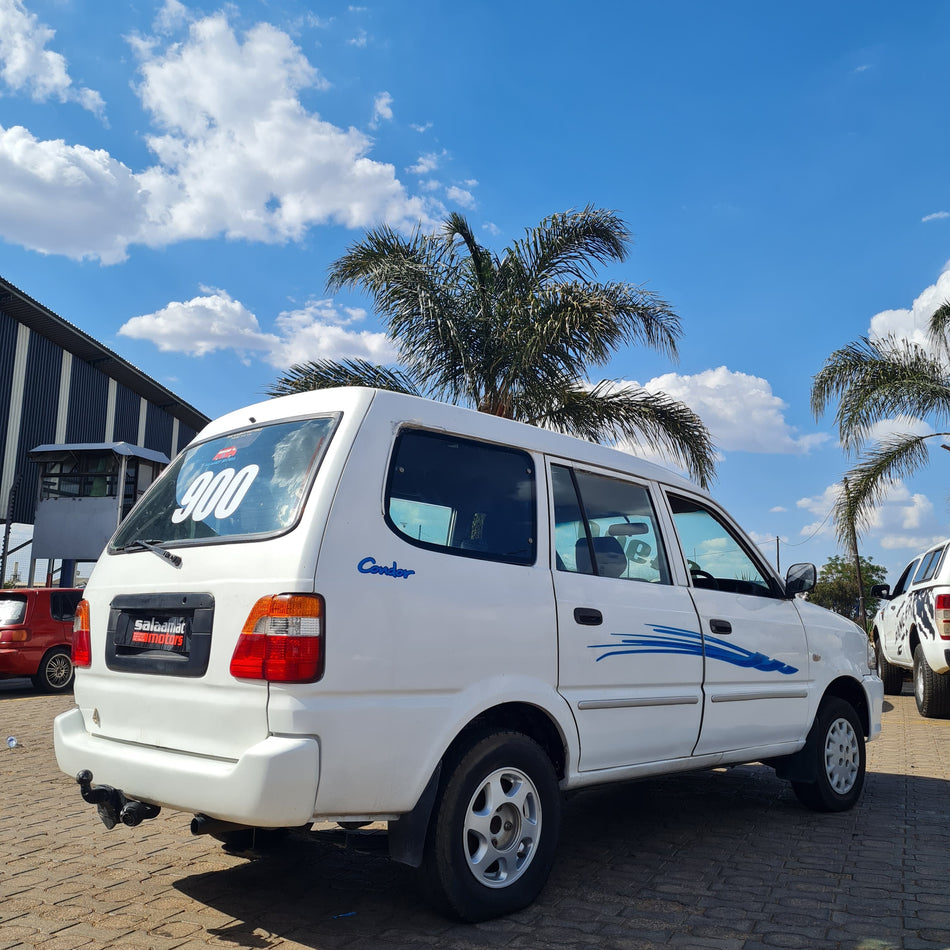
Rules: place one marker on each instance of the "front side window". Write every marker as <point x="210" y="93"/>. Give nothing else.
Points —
<point x="903" y="581"/>
<point x="606" y="526"/>
<point x="246" y="483"/>
<point x="462" y="497"/>
<point x="714" y="556"/>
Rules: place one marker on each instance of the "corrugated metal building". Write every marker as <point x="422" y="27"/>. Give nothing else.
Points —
<point x="58" y="385"/>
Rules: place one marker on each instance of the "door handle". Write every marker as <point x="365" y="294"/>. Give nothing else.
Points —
<point x="588" y="616"/>
<point x="720" y="626"/>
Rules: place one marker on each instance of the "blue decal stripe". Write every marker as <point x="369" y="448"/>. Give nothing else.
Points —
<point x="673" y="640"/>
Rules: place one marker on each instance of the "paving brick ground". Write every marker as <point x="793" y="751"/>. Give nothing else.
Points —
<point x="722" y="860"/>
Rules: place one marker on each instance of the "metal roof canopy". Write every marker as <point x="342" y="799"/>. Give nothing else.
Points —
<point x="23" y="308"/>
<point x="118" y="448"/>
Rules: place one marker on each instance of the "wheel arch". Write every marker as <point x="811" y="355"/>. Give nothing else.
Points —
<point x="407" y="836"/>
<point x="852" y="692"/>
<point x="520" y="717"/>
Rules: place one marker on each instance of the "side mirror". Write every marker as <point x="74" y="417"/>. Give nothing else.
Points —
<point x="800" y="578"/>
<point x="881" y="590"/>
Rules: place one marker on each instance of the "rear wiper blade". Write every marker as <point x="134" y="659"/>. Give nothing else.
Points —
<point x="156" y="549"/>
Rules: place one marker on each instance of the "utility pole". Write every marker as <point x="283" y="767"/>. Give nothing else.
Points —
<point x="778" y="567"/>
<point x="853" y="543"/>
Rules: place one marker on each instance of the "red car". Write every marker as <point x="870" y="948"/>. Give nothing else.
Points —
<point x="36" y="635"/>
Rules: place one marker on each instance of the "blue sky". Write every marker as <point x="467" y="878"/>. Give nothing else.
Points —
<point x="176" y="177"/>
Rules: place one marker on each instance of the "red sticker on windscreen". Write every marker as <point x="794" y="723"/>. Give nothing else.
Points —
<point x="228" y="453"/>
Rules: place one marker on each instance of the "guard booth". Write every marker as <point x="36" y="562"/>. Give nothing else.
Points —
<point x="85" y="490"/>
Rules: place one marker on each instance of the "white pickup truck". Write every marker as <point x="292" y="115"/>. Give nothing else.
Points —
<point x="912" y="631"/>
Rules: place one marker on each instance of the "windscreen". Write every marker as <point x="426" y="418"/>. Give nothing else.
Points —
<point x="12" y="608"/>
<point x="251" y="482"/>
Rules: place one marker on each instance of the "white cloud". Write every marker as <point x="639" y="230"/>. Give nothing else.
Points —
<point x="741" y="411"/>
<point x="777" y="509"/>
<point x="26" y="65"/>
<point x="66" y="199"/>
<point x="904" y="519"/>
<point x="460" y="196"/>
<point x="360" y="40"/>
<point x="936" y="216"/>
<point x="382" y="108"/>
<point x="420" y="127"/>
<point x="237" y="155"/>
<point x="215" y="321"/>
<point x="172" y="15"/>
<point x="912" y="324"/>
<point x="201" y="325"/>
<point x="427" y="163"/>
<point x="492" y="228"/>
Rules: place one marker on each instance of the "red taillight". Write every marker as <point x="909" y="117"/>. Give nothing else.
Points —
<point x="942" y="612"/>
<point x="82" y="641"/>
<point x="282" y="640"/>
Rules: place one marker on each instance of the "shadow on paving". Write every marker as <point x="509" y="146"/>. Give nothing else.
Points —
<point x="722" y="858"/>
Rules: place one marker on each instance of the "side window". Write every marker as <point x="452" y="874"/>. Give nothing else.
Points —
<point x="928" y="566"/>
<point x="63" y="605"/>
<point x="606" y="526"/>
<point x="903" y="581"/>
<point x="713" y="554"/>
<point x="462" y="497"/>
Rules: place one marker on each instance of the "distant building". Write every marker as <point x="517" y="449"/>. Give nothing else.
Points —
<point x="59" y="386"/>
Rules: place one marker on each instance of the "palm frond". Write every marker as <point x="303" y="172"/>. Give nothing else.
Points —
<point x="880" y="379"/>
<point x="891" y="460"/>
<point x="611" y="412"/>
<point x="568" y="244"/>
<point x="327" y="374"/>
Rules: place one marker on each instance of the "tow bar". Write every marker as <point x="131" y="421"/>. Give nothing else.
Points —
<point x="112" y="805"/>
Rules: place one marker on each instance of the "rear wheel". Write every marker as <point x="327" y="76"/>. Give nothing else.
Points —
<point x="835" y="755"/>
<point x="494" y="829"/>
<point x="931" y="690"/>
<point x="892" y="676"/>
<point x="55" y="674"/>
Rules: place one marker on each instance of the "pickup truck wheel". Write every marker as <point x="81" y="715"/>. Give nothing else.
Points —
<point x="494" y="829"/>
<point x="931" y="690"/>
<point x="892" y="676"/>
<point x="55" y="674"/>
<point x="835" y="752"/>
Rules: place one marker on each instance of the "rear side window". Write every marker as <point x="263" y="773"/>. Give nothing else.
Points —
<point x="63" y="604"/>
<point x="463" y="497"/>
<point x="606" y="526"/>
<point x="12" y="608"/>
<point x="244" y="484"/>
<point x="904" y="580"/>
<point x="928" y="566"/>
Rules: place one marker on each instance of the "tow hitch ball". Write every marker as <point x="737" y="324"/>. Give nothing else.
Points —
<point x="112" y="805"/>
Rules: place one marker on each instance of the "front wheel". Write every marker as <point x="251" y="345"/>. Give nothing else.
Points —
<point x="892" y="676"/>
<point x="494" y="828"/>
<point x="835" y="755"/>
<point x="55" y="674"/>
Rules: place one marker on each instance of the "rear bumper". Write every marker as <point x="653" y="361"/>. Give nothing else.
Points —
<point x="273" y="784"/>
<point x="16" y="663"/>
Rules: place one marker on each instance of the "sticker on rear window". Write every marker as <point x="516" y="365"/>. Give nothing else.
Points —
<point x="218" y="493"/>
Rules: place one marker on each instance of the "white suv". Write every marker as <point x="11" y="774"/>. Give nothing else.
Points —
<point x="357" y="606"/>
<point x="912" y="631"/>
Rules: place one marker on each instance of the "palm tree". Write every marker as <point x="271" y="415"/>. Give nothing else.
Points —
<point x="874" y="380"/>
<point x="514" y="335"/>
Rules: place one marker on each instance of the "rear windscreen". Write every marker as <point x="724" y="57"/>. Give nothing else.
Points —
<point x="247" y="483"/>
<point x="12" y="608"/>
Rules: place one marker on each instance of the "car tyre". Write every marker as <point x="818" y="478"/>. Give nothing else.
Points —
<point x="494" y="829"/>
<point x="835" y="755"/>
<point x="931" y="690"/>
<point x="55" y="674"/>
<point x="892" y="676"/>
